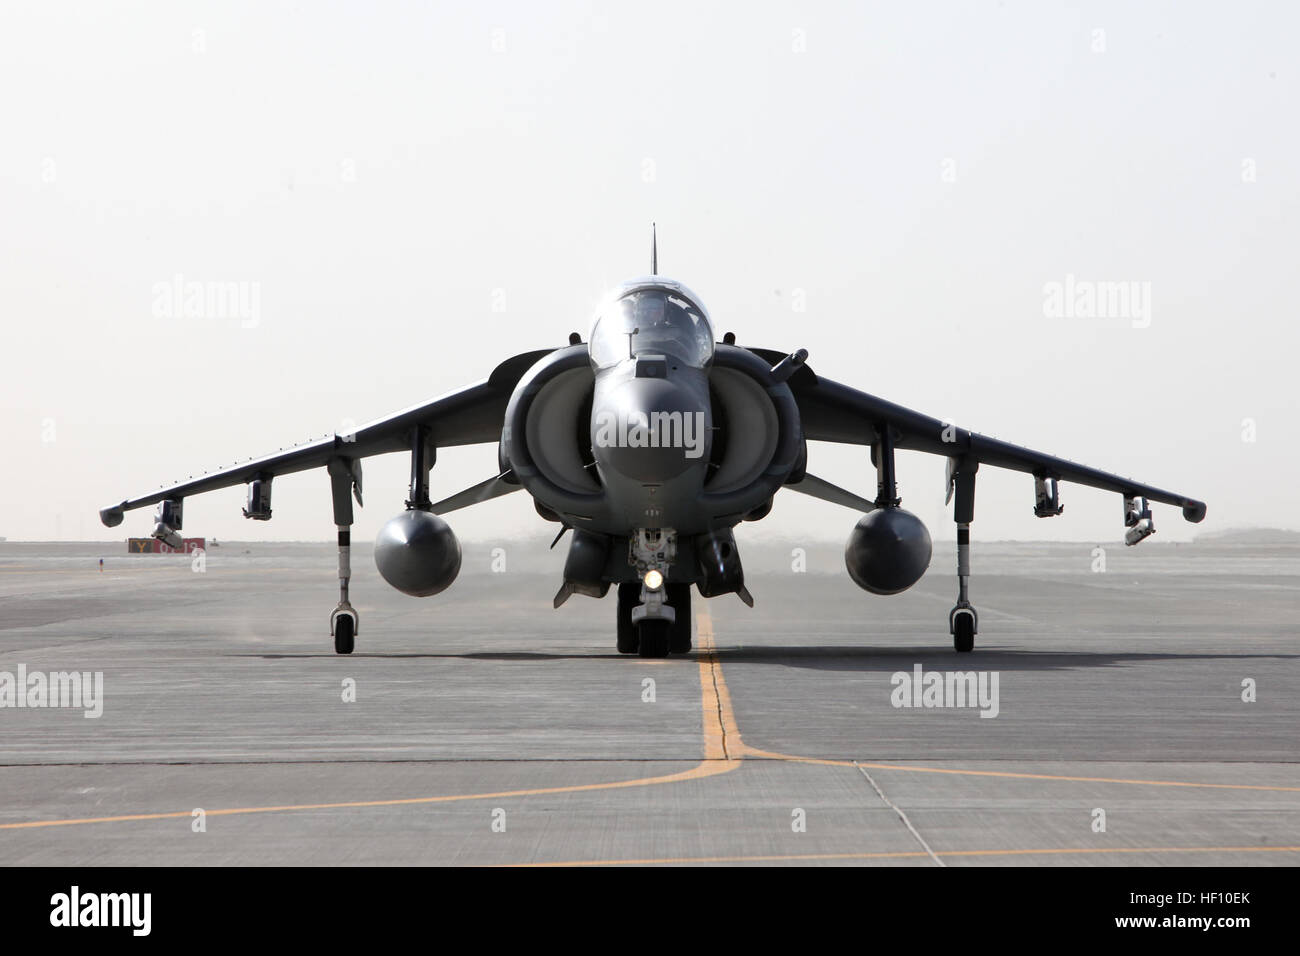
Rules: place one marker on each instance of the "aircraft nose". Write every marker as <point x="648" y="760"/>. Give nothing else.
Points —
<point x="650" y="430"/>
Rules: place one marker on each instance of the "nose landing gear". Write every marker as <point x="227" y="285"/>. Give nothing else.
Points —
<point x="654" y="616"/>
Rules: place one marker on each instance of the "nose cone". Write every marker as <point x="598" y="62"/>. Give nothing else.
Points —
<point x="650" y="430"/>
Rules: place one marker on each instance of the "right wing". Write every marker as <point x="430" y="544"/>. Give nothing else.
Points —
<point x="832" y="412"/>
<point x="836" y="413"/>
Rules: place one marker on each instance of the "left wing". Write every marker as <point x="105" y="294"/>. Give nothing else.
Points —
<point x="464" y="417"/>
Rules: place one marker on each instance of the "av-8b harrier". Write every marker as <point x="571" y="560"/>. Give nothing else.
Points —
<point x="651" y="442"/>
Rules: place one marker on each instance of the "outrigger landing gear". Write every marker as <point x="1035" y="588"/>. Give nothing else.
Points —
<point x="345" y="480"/>
<point x="963" y="620"/>
<point x="343" y="622"/>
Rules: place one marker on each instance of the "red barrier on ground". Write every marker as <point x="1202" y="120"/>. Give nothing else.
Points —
<point x="154" y="546"/>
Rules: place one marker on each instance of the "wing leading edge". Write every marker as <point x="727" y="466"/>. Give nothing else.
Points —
<point x="834" y="412"/>
<point x="466" y="416"/>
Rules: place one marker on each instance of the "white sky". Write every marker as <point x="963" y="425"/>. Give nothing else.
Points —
<point x="379" y="169"/>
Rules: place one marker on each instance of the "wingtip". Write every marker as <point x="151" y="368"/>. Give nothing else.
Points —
<point x="112" y="516"/>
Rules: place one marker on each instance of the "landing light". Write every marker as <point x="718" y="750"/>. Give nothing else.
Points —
<point x="653" y="579"/>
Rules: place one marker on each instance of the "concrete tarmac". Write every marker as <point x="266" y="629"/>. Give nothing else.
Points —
<point x="488" y="728"/>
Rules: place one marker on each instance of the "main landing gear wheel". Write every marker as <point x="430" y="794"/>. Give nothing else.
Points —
<point x="653" y="637"/>
<point x="629" y="596"/>
<point x="679" y="637"/>
<point x="963" y="633"/>
<point x="344" y="636"/>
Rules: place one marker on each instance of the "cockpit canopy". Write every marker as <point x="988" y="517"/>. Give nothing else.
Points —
<point x="657" y="317"/>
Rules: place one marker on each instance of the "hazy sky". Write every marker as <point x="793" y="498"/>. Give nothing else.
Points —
<point x="414" y="191"/>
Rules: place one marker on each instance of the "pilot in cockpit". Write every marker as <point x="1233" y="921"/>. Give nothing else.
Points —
<point x="652" y="321"/>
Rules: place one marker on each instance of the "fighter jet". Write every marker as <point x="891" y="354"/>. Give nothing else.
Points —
<point x="651" y="442"/>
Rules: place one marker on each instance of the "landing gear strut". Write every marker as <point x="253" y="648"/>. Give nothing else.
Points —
<point x="345" y="480"/>
<point x="963" y="620"/>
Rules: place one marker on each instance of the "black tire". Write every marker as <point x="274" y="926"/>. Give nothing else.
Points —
<point x="963" y="633"/>
<point x="629" y="595"/>
<point x="652" y="636"/>
<point x="679" y="599"/>
<point x="344" y="638"/>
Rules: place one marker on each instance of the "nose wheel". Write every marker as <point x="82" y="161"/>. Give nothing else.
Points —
<point x="654" y="637"/>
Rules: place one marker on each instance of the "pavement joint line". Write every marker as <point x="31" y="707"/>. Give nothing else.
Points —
<point x="901" y="815"/>
<point x="913" y="854"/>
<point x="904" y="768"/>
